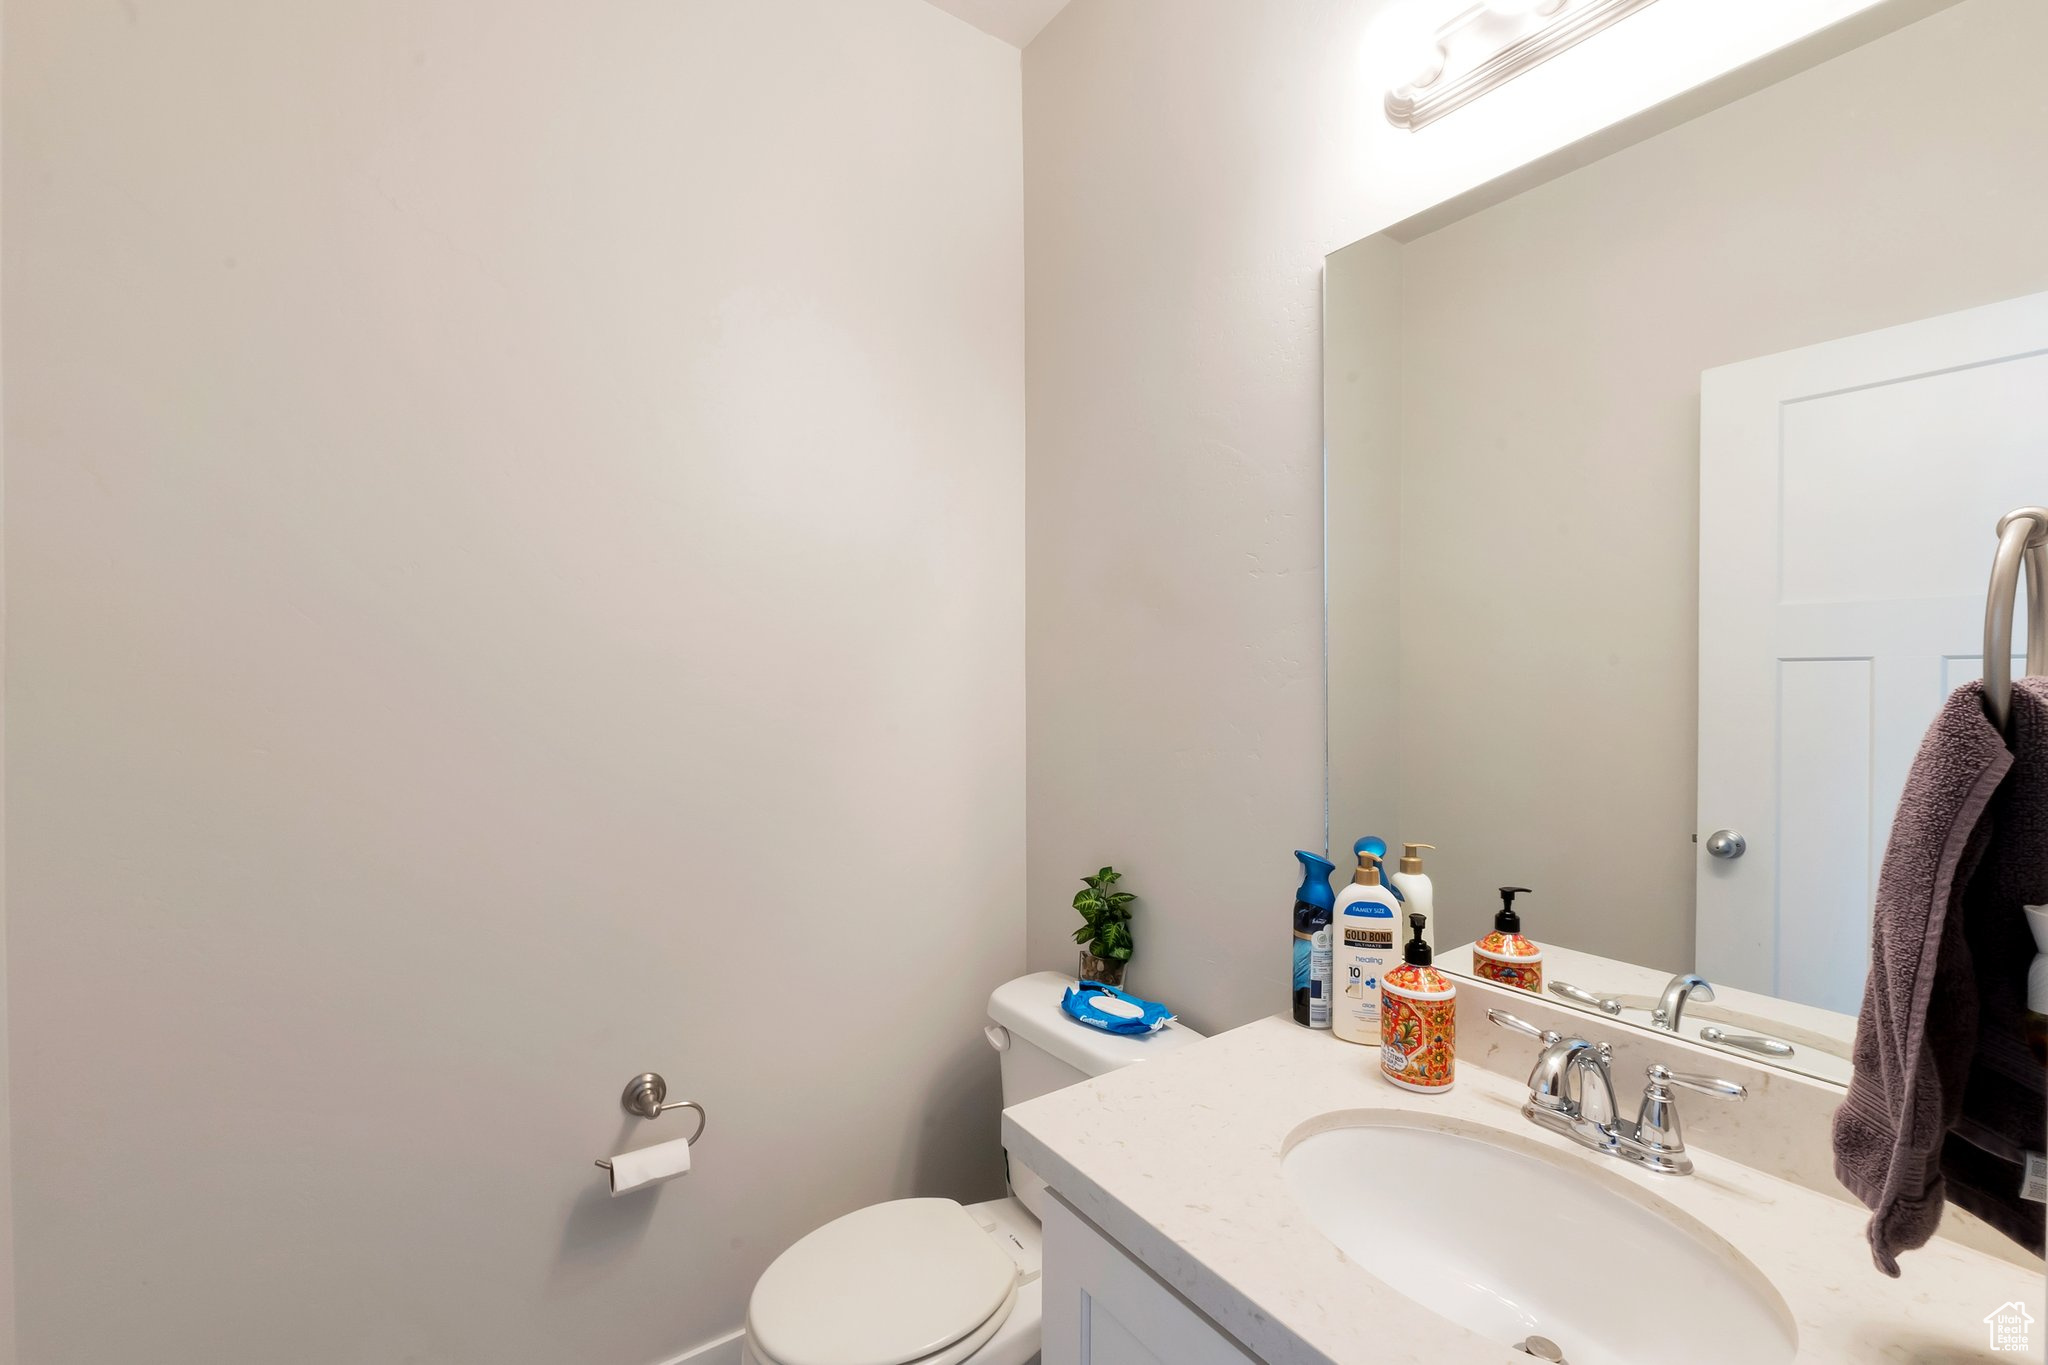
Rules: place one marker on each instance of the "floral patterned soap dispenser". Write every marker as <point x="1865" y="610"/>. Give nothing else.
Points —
<point x="1419" y="1018"/>
<point x="1504" y="955"/>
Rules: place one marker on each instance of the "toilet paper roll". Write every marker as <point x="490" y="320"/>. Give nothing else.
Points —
<point x="649" y="1166"/>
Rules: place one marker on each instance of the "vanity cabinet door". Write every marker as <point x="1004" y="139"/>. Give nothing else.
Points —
<point x="1103" y="1308"/>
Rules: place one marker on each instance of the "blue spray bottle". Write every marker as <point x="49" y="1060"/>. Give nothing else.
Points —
<point x="1312" y="907"/>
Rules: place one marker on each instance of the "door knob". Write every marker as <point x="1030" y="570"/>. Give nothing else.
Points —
<point x="1726" y="843"/>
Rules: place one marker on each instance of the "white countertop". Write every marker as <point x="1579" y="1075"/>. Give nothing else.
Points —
<point x="1178" y="1160"/>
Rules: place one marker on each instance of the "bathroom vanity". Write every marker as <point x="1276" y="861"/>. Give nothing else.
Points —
<point x="1267" y="1196"/>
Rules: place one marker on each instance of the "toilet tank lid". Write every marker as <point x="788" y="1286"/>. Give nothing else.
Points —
<point x="1029" y="1007"/>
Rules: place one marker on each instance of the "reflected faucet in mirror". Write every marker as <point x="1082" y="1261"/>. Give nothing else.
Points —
<point x="1814" y="1042"/>
<point x="1671" y="1005"/>
<point x="1689" y="986"/>
<point x="1669" y="1011"/>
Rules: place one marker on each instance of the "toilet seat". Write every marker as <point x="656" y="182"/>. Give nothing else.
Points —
<point x="910" y="1282"/>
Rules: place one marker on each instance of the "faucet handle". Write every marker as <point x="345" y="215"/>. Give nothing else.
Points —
<point x="1606" y="1004"/>
<point x="1748" y="1042"/>
<point x="1706" y="1085"/>
<point x="1508" y="1021"/>
<point x="1658" y="1142"/>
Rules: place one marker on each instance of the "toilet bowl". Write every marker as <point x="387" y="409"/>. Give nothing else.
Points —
<point x="932" y="1281"/>
<point x="910" y="1282"/>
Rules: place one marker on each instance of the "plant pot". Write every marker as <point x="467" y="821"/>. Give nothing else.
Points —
<point x="1106" y="970"/>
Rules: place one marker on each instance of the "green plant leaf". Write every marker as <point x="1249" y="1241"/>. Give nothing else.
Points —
<point x="1105" y="915"/>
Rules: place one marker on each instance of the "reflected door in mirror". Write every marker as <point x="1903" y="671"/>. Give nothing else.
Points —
<point x="1848" y="495"/>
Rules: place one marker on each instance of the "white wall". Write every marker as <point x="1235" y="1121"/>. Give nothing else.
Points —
<point x="514" y="578"/>
<point x="1188" y="164"/>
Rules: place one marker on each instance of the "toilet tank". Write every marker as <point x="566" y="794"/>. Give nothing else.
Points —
<point x="1044" y="1050"/>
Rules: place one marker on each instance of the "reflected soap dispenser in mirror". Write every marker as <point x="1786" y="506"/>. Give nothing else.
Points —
<point x="1505" y="955"/>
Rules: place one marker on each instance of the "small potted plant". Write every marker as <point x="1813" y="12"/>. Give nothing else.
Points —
<point x="1105" y="932"/>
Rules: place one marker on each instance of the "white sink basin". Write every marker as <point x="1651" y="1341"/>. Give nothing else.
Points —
<point x="1570" y="1254"/>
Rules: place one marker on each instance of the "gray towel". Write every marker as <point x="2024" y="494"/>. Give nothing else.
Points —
<point x="1946" y="1101"/>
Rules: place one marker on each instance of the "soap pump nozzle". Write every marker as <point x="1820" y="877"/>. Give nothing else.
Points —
<point x="1375" y="848"/>
<point x="1416" y="953"/>
<point x="1411" y="857"/>
<point x="1370" y="851"/>
<point x="1507" y="921"/>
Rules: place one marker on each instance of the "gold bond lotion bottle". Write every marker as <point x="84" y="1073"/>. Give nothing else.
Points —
<point x="1362" y="951"/>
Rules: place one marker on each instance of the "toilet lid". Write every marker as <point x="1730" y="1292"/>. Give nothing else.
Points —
<point x="884" y="1285"/>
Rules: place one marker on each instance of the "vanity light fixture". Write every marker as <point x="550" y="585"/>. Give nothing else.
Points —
<point x="1492" y="43"/>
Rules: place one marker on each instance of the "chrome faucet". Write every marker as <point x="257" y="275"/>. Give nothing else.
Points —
<point x="1558" y="1081"/>
<point x="1559" y="1100"/>
<point x="1677" y="993"/>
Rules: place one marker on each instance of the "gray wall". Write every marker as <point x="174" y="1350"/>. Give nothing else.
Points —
<point x="514" y="578"/>
<point x="1551" y="353"/>
<point x="1174" y="616"/>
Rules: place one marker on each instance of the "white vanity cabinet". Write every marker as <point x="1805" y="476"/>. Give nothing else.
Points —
<point x="1103" y="1308"/>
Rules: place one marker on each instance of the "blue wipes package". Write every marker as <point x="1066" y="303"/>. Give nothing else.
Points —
<point x="1109" y="1009"/>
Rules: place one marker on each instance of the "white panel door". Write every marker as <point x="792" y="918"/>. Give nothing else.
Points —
<point x="1848" y="498"/>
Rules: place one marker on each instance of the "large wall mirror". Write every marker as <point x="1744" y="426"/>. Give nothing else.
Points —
<point x="1661" y="506"/>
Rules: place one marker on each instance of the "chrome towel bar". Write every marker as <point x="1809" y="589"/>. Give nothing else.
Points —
<point x="2022" y="543"/>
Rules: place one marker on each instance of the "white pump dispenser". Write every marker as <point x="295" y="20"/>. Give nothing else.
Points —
<point x="1416" y="889"/>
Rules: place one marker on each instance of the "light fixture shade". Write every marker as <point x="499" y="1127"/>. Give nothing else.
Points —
<point x="1492" y="43"/>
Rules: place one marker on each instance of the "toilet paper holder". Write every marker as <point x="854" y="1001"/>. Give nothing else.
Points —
<point x="646" y="1096"/>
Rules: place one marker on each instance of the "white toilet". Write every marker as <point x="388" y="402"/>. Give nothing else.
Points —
<point x="929" y="1281"/>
